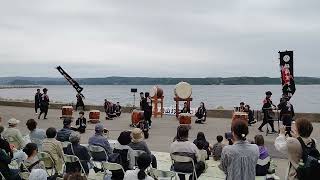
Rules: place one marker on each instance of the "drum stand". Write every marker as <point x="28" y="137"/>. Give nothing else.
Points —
<point x="277" y="118"/>
<point x="177" y="99"/>
<point x="155" y="102"/>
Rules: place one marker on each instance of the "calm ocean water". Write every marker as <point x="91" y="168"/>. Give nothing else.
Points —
<point x="306" y="99"/>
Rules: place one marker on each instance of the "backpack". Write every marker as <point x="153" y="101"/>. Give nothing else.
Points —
<point x="310" y="168"/>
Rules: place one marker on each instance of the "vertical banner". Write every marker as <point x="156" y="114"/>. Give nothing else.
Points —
<point x="287" y="75"/>
<point x="74" y="83"/>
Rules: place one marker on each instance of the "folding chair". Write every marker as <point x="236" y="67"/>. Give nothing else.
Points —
<point x="162" y="175"/>
<point x="97" y="150"/>
<point x="184" y="159"/>
<point x="26" y="173"/>
<point x="2" y="176"/>
<point x="74" y="159"/>
<point x="48" y="162"/>
<point x="107" y="166"/>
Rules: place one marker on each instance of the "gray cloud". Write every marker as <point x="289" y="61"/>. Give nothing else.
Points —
<point x="185" y="38"/>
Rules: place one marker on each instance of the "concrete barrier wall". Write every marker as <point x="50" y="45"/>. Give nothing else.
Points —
<point x="314" y="117"/>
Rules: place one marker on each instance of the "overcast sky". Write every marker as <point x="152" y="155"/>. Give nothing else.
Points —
<point x="158" y="38"/>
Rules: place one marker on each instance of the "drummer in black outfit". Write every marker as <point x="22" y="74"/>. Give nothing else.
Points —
<point x="147" y="108"/>
<point x="37" y="100"/>
<point x="267" y="109"/>
<point x="44" y="104"/>
<point x="141" y="100"/>
<point x="185" y="109"/>
<point x="80" y="103"/>
<point x="201" y="114"/>
<point x="286" y="113"/>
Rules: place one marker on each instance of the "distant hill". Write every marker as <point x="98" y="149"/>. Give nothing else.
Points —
<point x="153" y="81"/>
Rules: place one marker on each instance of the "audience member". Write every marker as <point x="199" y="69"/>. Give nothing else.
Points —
<point x="138" y="143"/>
<point x="36" y="135"/>
<point x="181" y="146"/>
<point x="239" y="161"/>
<point x="13" y="134"/>
<point x="217" y="148"/>
<point x="228" y="136"/>
<point x="291" y="146"/>
<point x="53" y="147"/>
<point x="64" y="133"/>
<point x="32" y="162"/>
<point x="38" y="174"/>
<point x="99" y="139"/>
<point x="202" y="139"/>
<point x="77" y="150"/>
<point x="123" y="147"/>
<point x="74" y="176"/>
<point x="143" y="162"/>
<point x="261" y="170"/>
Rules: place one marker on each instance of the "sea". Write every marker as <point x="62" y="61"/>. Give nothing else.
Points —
<point x="306" y="99"/>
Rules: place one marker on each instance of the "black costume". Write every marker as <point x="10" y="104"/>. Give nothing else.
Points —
<point x="37" y="101"/>
<point x="267" y="110"/>
<point x="44" y="105"/>
<point x="81" y="123"/>
<point x="147" y="109"/>
<point x="185" y="110"/>
<point x="118" y="110"/>
<point x="201" y="115"/>
<point x="80" y="102"/>
<point x="143" y="125"/>
<point x="286" y="114"/>
<point x="109" y="109"/>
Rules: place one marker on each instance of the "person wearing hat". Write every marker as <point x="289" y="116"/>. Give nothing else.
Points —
<point x="77" y="150"/>
<point x="286" y="113"/>
<point x="98" y="139"/>
<point x="137" y="143"/>
<point x="64" y="133"/>
<point x="44" y="104"/>
<point x="37" y="100"/>
<point x="13" y="134"/>
<point x="266" y="109"/>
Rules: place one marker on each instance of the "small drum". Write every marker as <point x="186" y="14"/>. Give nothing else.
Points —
<point x="185" y="118"/>
<point x="183" y="90"/>
<point x="242" y="116"/>
<point x="67" y="111"/>
<point x="136" y="116"/>
<point x="94" y="116"/>
<point x="156" y="91"/>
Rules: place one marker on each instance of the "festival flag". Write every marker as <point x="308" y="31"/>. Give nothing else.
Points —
<point x="287" y="76"/>
<point x="74" y="83"/>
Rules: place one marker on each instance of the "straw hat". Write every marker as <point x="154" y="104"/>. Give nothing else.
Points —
<point x="136" y="135"/>
<point x="13" y="121"/>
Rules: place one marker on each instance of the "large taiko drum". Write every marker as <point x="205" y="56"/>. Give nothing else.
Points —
<point x="136" y="116"/>
<point x="67" y="111"/>
<point x="183" y="90"/>
<point x="156" y="91"/>
<point x="240" y="116"/>
<point x="94" y="116"/>
<point x="185" y="118"/>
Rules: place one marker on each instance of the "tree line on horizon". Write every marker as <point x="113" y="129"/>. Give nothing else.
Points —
<point x="153" y="81"/>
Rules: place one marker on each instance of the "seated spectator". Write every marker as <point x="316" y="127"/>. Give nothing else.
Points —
<point x="36" y="135"/>
<point x="143" y="162"/>
<point x="32" y="162"/>
<point x="181" y="146"/>
<point x="64" y="134"/>
<point x="38" y="174"/>
<point x="201" y="114"/>
<point x="202" y="139"/>
<point x="242" y="108"/>
<point x="53" y="147"/>
<point x="5" y="159"/>
<point x="124" y="140"/>
<point x="217" y="148"/>
<point x="228" y="136"/>
<point x="250" y="114"/>
<point x="81" y="123"/>
<point x="13" y="135"/>
<point x="291" y="146"/>
<point x="100" y="140"/>
<point x="239" y="160"/>
<point x="261" y="170"/>
<point x="77" y="150"/>
<point x="138" y="143"/>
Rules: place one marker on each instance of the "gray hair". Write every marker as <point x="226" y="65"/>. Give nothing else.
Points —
<point x="74" y="137"/>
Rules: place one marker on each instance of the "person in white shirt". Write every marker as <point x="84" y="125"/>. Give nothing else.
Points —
<point x="143" y="161"/>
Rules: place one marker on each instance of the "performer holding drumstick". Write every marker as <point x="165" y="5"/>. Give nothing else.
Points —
<point x="267" y="109"/>
<point x="147" y="108"/>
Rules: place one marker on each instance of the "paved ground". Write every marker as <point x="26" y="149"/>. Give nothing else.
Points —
<point x="161" y="135"/>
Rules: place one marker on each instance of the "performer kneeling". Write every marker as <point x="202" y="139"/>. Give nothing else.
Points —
<point x="201" y="114"/>
<point x="185" y="109"/>
<point x="81" y="123"/>
<point x="286" y="113"/>
<point x="118" y="109"/>
<point x="250" y="114"/>
<point x="108" y="108"/>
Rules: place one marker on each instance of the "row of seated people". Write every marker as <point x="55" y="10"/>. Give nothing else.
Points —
<point x="112" y="110"/>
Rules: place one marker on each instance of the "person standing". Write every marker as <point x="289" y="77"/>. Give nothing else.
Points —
<point x="37" y="100"/>
<point x="141" y="100"/>
<point x="44" y="104"/>
<point x="267" y="109"/>
<point x="80" y="102"/>
<point x="286" y="113"/>
<point x="147" y="108"/>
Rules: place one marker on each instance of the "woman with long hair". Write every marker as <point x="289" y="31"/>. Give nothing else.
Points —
<point x="143" y="161"/>
<point x="201" y="114"/>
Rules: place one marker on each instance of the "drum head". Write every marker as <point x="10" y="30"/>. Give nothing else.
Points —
<point x="67" y="107"/>
<point x="183" y="90"/>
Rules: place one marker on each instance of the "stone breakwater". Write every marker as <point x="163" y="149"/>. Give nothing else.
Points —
<point x="313" y="117"/>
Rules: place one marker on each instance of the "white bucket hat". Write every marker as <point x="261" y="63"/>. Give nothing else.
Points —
<point x="13" y="121"/>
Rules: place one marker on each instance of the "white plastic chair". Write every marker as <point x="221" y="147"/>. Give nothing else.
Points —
<point x="74" y="159"/>
<point x="184" y="159"/>
<point x="162" y="175"/>
<point x="107" y="166"/>
<point x="48" y="162"/>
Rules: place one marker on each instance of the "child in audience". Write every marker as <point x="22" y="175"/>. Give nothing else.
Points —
<point x="81" y="123"/>
<point x="217" y="148"/>
<point x="261" y="170"/>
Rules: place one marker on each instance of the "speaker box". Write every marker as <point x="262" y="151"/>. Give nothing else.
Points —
<point x="134" y="90"/>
